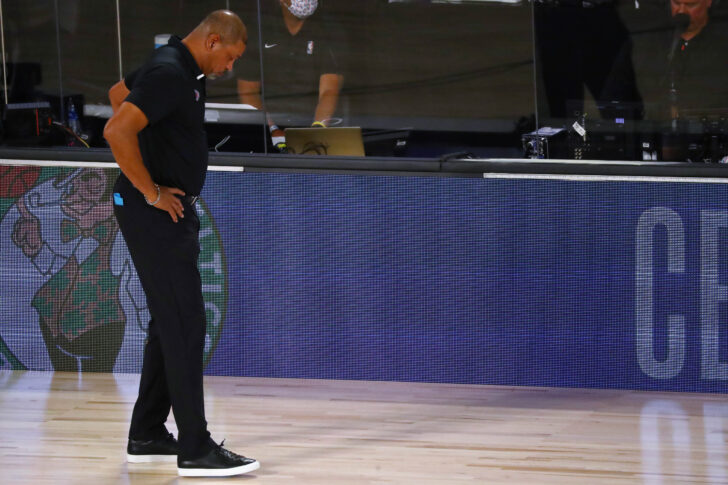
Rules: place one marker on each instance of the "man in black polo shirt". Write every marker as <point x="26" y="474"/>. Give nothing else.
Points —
<point x="157" y="137"/>
<point x="697" y="77"/>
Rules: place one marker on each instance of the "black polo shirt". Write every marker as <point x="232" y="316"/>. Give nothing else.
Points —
<point x="167" y="90"/>
<point x="700" y="71"/>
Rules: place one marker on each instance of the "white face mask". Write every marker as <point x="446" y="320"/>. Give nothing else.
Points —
<point x="303" y="8"/>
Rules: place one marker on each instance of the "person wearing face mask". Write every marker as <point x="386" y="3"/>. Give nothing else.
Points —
<point x="301" y="73"/>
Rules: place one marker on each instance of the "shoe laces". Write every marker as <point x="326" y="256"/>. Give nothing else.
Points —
<point x="227" y="453"/>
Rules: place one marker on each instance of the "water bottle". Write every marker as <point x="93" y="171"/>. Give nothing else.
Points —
<point x="73" y="122"/>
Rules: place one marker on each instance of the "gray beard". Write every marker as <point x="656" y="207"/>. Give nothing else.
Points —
<point x="225" y="75"/>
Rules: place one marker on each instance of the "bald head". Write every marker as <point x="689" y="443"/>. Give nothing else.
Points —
<point x="217" y="42"/>
<point x="224" y="23"/>
<point x="697" y="10"/>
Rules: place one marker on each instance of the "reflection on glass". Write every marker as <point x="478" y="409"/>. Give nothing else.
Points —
<point x="31" y="50"/>
<point x="32" y="66"/>
<point x="600" y="79"/>
<point x="696" y="60"/>
<point x="453" y="76"/>
<point x="145" y="24"/>
<point x="633" y="80"/>
<point x="693" y="92"/>
<point x="582" y="46"/>
<point x="584" y="49"/>
<point x="419" y="78"/>
<point x="88" y="66"/>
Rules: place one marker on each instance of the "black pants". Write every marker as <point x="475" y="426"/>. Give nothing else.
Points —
<point x="165" y="256"/>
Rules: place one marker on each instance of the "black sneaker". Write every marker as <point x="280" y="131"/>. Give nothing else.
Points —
<point x="219" y="462"/>
<point x="151" y="451"/>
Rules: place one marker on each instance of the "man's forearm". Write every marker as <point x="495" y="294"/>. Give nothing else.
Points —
<point x="129" y="158"/>
<point x="122" y="132"/>
<point x="125" y="148"/>
<point x="326" y="107"/>
<point x="117" y="95"/>
<point x="329" y="88"/>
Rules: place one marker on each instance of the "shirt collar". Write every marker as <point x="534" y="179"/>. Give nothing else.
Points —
<point x="176" y="42"/>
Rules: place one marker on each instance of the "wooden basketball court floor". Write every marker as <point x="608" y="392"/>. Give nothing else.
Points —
<point x="65" y="428"/>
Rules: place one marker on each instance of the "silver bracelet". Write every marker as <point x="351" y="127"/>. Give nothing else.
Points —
<point x="159" y="196"/>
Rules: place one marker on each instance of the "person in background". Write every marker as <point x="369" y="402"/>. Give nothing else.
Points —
<point x="697" y="78"/>
<point x="301" y="70"/>
<point x="691" y="98"/>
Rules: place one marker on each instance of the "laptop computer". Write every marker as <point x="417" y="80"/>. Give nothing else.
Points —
<point x="346" y="141"/>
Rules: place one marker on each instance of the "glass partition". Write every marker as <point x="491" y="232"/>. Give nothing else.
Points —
<point x="31" y="70"/>
<point x="571" y="79"/>
<point x="89" y="65"/>
<point x="459" y="75"/>
<point x="632" y="80"/>
<point x="418" y="78"/>
<point x="146" y="25"/>
<point x="62" y="56"/>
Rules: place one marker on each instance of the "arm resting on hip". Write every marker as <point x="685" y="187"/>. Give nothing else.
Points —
<point x="122" y="131"/>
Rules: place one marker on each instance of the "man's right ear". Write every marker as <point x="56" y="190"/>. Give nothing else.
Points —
<point x="212" y="40"/>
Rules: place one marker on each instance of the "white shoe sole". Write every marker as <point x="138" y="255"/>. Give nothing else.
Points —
<point x="151" y="458"/>
<point x="217" y="472"/>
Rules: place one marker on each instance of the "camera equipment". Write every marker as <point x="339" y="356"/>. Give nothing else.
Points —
<point x="545" y="142"/>
<point x="712" y="145"/>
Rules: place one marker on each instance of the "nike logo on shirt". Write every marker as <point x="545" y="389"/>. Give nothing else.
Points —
<point x="268" y="46"/>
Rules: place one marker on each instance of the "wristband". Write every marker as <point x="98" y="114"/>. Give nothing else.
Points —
<point x="273" y="128"/>
<point x="320" y="124"/>
<point x="159" y="196"/>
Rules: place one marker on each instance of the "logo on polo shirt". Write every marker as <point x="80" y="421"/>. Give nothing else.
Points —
<point x="74" y="300"/>
<point x="197" y="95"/>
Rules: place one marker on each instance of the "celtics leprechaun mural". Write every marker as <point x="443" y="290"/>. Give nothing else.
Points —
<point x="71" y="299"/>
